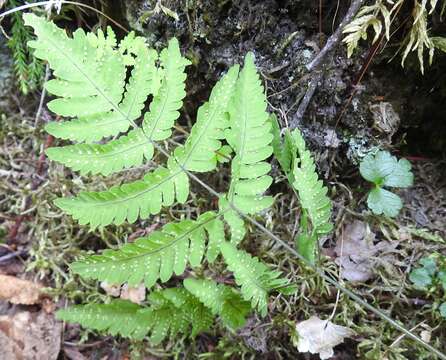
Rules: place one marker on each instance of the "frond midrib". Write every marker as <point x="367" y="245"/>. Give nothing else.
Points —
<point x="126" y="198"/>
<point x="160" y="249"/>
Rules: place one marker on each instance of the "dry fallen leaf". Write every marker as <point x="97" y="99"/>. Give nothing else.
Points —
<point x="134" y="294"/>
<point x="110" y="289"/>
<point x="320" y="336"/>
<point x="357" y="253"/>
<point x="18" y="291"/>
<point x="29" y="336"/>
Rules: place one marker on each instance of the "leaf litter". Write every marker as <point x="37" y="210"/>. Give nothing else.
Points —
<point x="357" y="253"/>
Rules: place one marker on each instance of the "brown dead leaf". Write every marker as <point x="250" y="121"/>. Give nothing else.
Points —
<point x="110" y="289"/>
<point x="357" y="253"/>
<point x="318" y="336"/>
<point x="29" y="336"/>
<point x="18" y="291"/>
<point x="134" y="294"/>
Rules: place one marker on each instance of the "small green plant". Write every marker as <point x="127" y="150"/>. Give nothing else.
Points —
<point x="383" y="169"/>
<point x="28" y="69"/>
<point x="298" y="165"/>
<point x="92" y="88"/>
<point x="431" y="277"/>
<point x="380" y="17"/>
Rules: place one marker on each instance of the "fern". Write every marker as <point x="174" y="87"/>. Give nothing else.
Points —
<point x="91" y="88"/>
<point x="28" y="69"/>
<point x="255" y="278"/>
<point x="172" y="311"/>
<point x="89" y="92"/>
<point x="162" y="186"/>
<point x="158" y="255"/>
<point x="298" y="165"/>
<point x="250" y="137"/>
<point x="221" y="300"/>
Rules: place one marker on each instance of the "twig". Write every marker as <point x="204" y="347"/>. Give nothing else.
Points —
<point x="335" y="38"/>
<point x="9" y="256"/>
<point x="42" y="96"/>
<point x="312" y="85"/>
<point x="315" y="65"/>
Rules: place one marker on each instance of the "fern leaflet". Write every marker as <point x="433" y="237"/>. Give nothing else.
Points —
<point x="255" y="278"/>
<point x="249" y="135"/>
<point x="298" y="165"/>
<point x="158" y="255"/>
<point x="221" y="300"/>
<point x="172" y="311"/>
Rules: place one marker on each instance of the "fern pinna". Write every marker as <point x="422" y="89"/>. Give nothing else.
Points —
<point x="111" y="134"/>
<point x="297" y="163"/>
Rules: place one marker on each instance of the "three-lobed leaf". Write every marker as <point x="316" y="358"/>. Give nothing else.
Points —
<point x="383" y="169"/>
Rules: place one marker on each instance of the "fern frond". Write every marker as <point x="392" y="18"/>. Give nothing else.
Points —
<point x="120" y="317"/>
<point x="255" y="278"/>
<point x="123" y="153"/>
<point x="159" y="121"/>
<point x="249" y="135"/>
<point x="297" y="163"/>
<point x="159" y="255"/>
<point x="128" y="201"/>
<point x="199" y="153"/>
<point x="131" y="149"/>
<point x="172" y="311"/>
<point x="89" y="83"/>
<point x="160" y="187"/>
<point x="222" y="300"/>
<point x="312" y="193"/>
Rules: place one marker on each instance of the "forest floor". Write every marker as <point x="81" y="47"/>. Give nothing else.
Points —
<point x="38" y="242"/>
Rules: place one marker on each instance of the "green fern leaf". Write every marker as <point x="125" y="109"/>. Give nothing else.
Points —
<point x="89" y="82"/>
<point x="161" y="187"/>
<point x="221" y="300"/>
<point x="298" y="165"/>
<point x="125" y="152"/>
<point x="172" y="311"/>
<point x="255" y="278"/>
<point x="159" y="121"/>
<point x="200" y="150"/>
<point x="312" y="193"/>
<point x="119" y="317"/>
<point x="158" y="255"/>
<point x="128" y="201"/>
<point x="249" y="135"/>
<point x="130" y="150"/>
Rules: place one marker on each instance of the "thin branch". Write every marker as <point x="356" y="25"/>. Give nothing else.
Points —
<point x="335" y="38"/>
<point x="312" y="85"/>
<point x="315" y="65"/>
